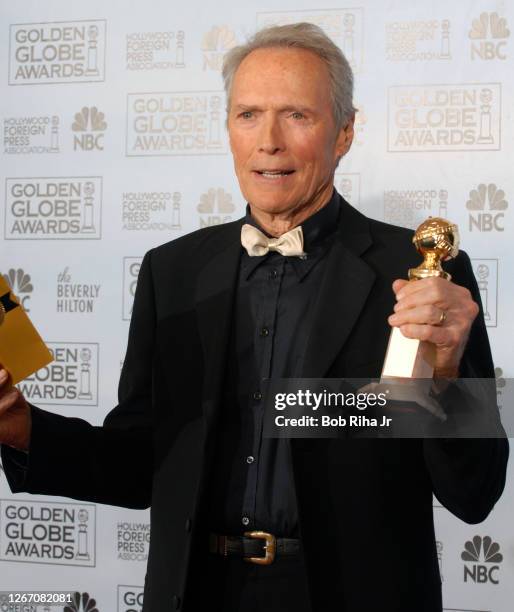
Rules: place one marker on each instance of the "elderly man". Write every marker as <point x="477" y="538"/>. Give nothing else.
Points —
<point x="311" y="291"/>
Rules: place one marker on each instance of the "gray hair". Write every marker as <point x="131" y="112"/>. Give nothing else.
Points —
<point x="301" y="36"/>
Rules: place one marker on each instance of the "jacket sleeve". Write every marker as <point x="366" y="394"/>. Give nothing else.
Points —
<point x="110" y="464"/>
<point x="468" y="474"/>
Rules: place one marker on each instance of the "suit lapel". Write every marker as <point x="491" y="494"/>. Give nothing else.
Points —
<point x="214" y="300"/>
<point x="345" y="287"/>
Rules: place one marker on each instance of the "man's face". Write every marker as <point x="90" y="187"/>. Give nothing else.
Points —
<point x="282" y="132"/>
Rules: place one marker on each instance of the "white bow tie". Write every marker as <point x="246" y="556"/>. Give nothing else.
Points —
<point x="257" y="244"/>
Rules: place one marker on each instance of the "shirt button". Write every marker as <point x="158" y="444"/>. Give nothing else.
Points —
<point x="250" y="459"/>
<point x="273" y="274"/>
<point x="245" y="520"/>
<point x="257" y="395"/>
<point x="264" y="332"/>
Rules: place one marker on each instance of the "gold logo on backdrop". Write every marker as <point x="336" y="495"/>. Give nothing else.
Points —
<point x="488" y="37"/>
<point x="90" y="124"/>
<point x="219" y="38"/>
<point x="215" y="43"/>
<point x="491" y="219"/>
<point x="489" y="22"/>
<point x="215" y="198"/>
<point x="479" y="196"/>
<point x="89" y="116"/>
<point x="215" y="207"/>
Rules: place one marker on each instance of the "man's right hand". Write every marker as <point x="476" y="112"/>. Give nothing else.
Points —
<point x="15" y="422"/>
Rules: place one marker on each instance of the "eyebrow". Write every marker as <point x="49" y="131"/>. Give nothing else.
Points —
<point x="288" y="107"/>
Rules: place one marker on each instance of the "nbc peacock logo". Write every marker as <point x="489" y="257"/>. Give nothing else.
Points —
<point x="488" y="35"/>
<point x="481" y="556"/>
<point x="215" y="207"/>
<point x="89" y="126"/>
<point x="487" y="205"/>
<point x="215" y="43"/>
<point x="21" y="284"/>
<point x="81" y="603"/>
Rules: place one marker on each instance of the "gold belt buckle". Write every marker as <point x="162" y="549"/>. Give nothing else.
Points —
<point x="270" y="547"/>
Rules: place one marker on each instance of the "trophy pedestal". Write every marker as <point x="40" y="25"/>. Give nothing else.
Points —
<point x="408" y="358"/>
<point x="408" y="371"/>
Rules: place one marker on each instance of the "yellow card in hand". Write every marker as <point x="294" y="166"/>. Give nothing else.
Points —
<point x="22" y="351"/>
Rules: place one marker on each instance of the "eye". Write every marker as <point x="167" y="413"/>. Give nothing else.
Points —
<point x="297" y="115"/>
<point x="246" y="115"/>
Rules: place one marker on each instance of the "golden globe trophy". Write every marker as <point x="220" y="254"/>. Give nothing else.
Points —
<point x="436" y="240"/>
<point x="408" y="370"/>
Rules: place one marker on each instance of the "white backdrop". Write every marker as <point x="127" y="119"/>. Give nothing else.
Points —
<point x="114" y="141"/>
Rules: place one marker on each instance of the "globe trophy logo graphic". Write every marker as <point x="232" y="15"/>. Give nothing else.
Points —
<point x="85" y="374"/>
<point x="82" y="548"/>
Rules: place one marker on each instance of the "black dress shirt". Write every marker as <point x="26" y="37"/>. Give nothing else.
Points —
<point x="251" y="484"/>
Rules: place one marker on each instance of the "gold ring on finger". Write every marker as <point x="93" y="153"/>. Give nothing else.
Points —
<point x="442" y="318"/>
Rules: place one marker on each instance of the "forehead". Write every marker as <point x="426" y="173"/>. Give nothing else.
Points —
<point x="281" y="72"/>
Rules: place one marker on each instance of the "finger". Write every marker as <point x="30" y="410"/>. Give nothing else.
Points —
<point x="8" y="400"/>
<point x="4" y="377"/>
<point x="434" y="284"/>
<point x="398" y="284"/>
<point x="441" y="296"/>
<point x="428" y="333"/>
<point x="423" y="315"/>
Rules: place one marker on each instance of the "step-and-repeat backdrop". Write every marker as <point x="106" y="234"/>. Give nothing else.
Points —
<point x="113" y="141"/>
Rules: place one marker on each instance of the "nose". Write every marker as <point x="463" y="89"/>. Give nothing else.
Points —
<point x="271" y="137"/>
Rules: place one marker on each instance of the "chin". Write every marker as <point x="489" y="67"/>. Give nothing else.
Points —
<point x="268" y="202"/>
<point x="272" y="206"/>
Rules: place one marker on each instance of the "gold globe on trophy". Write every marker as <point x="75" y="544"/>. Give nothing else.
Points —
<point x="436" y="240"/>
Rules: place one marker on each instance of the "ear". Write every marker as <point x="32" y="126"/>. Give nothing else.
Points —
<point x="345" y="138"/>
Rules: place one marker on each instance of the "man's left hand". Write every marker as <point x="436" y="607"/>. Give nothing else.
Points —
<point x="438" y="311"/>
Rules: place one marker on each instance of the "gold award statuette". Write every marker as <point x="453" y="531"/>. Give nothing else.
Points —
<point x="436" y="240"/>
<point x="22" y="351"/>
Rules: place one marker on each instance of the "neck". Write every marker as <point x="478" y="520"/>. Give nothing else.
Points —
<point x="276" y="224"/>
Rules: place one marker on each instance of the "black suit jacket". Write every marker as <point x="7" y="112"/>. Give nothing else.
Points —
<point x="365" y="506"/>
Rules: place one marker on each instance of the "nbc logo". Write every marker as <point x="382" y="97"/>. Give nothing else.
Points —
<point x="215" y="201"/>
<point x="89" y="127"/>
<point x="81" y="603"/>
<point x="478" y="198"/>
<point x="215" y="43"/>
<point x="20" y="283"/>
<point x="489" y="25"/>
<point x="482" y="555"/>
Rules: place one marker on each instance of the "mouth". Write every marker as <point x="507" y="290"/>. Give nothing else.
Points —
<point x="274" y="174"/>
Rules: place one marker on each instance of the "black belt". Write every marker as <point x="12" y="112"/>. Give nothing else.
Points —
<point x="252" y="545"/>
